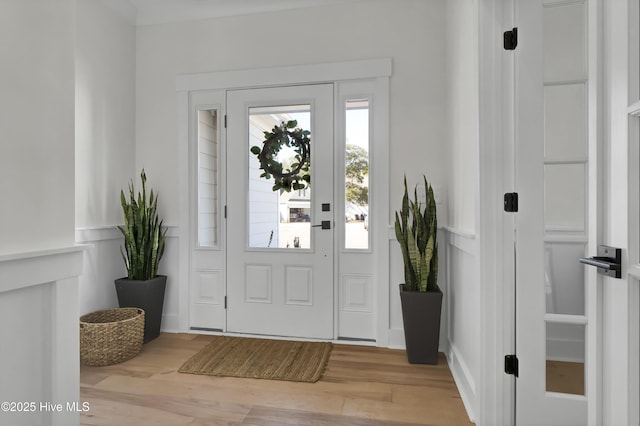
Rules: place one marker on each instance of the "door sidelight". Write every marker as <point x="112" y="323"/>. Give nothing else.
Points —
<point x="608" y="261"/>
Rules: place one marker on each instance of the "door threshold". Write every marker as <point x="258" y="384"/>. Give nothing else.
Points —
<point x="339" y="340"/>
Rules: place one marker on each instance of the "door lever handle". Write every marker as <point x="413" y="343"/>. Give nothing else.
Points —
<point x="325" y="224"/>
<point x="608" y="261"/>
<point x="599" y="262"/>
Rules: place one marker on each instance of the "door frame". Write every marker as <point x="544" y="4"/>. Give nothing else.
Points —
<point x="376" y="70"/>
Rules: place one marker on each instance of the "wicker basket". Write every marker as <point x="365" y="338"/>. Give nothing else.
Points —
<point x="111" y="336"/>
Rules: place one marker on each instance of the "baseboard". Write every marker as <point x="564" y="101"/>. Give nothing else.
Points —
<point x="396" y="339"/>
<point x="464" y="381"/>
<point x="170" y="323"/>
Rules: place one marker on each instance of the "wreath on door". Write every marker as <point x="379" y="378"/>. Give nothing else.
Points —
<point x="293" y="176"/>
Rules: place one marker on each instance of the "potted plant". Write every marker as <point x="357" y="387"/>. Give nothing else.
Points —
<point x="144" y="242"/>
<point x="421" y="298"/>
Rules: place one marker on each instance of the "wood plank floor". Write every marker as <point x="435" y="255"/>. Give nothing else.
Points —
<point x="361" y="386"/>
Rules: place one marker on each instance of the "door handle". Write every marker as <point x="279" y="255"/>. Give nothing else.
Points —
<point x="325" y="224"/>
<point x="608" y="261"/>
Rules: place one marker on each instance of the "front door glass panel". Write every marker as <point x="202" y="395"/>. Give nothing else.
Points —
<point x="277" y="218"/>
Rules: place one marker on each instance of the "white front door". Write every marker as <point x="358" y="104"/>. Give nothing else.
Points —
<point x="556" y="223"/>
<point x="280" y="259"/>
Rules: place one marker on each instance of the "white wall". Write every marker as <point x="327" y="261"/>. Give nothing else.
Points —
<point x="36" y="124"/>
<point x="461" y="244"/>
<point x="38" y="265"/>
<point x="408" y="31"/>
<point x="105" y="112"/>
<point x="105" y="132"/>
<point x="462" y="113"/>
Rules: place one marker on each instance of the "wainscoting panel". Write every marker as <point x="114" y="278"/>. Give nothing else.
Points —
<point x="462" y="313"/>
<point x="103" y="264"/>
<point x="40" y="339"/>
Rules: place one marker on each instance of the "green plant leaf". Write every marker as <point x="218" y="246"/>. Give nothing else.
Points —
<point x="142" y="231"/>
<point x="416" y="232"/>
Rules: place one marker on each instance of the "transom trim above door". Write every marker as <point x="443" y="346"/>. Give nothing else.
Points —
<point x="285" y="76"/>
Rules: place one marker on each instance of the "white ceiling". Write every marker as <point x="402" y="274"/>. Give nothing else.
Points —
<point x="151" y="12"/>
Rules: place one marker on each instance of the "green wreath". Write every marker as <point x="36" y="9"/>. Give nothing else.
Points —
<point x="295" y="176"/>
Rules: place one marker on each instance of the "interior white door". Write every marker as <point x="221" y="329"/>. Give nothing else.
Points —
<point x="553" y="174"/>
<point x="279" y="259"/>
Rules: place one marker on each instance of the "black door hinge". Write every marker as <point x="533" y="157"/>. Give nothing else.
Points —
<point x="225" y="121"/>
<point x="510" y="39"/>
<point x="225" y="212"/>
<point x="511" y="202"/>
<point x="511" y="364"/>
<point x="225" y="302"/>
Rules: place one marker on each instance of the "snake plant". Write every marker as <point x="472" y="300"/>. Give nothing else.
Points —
<point x="416" y="231"/>
<point x="143" y="233"/>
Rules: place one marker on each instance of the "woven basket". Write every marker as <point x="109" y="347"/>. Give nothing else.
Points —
<point x="111" y="336"/>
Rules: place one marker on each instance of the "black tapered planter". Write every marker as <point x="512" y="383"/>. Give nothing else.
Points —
<point x="421" y="317"/>
<point x="147" y="295"/>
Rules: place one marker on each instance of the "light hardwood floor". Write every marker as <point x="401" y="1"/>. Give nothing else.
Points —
<point x="361" y="386"/>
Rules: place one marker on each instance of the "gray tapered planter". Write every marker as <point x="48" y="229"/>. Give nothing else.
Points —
<point x="147" y="295"/>
<point x="421" y="317"/>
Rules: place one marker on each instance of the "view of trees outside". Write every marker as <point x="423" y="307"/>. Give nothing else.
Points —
<point x="357" y="174"/>
<point x="356" y="170"/>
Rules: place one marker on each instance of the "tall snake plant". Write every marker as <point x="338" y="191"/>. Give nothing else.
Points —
<point x="416" y="231"/>
<point x="143" y="233"/>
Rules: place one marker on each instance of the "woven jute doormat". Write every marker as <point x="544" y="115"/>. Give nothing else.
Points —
<point x="260" y="359"/>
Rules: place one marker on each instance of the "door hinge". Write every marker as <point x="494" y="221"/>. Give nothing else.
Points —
<point x="225" y="212"/>
<point x="511" y="364"/>
<point x="225" y="302"/>
<point x="510" y="39"/>
<point x="511" y="202"/>
<point x="225" y="121"/>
